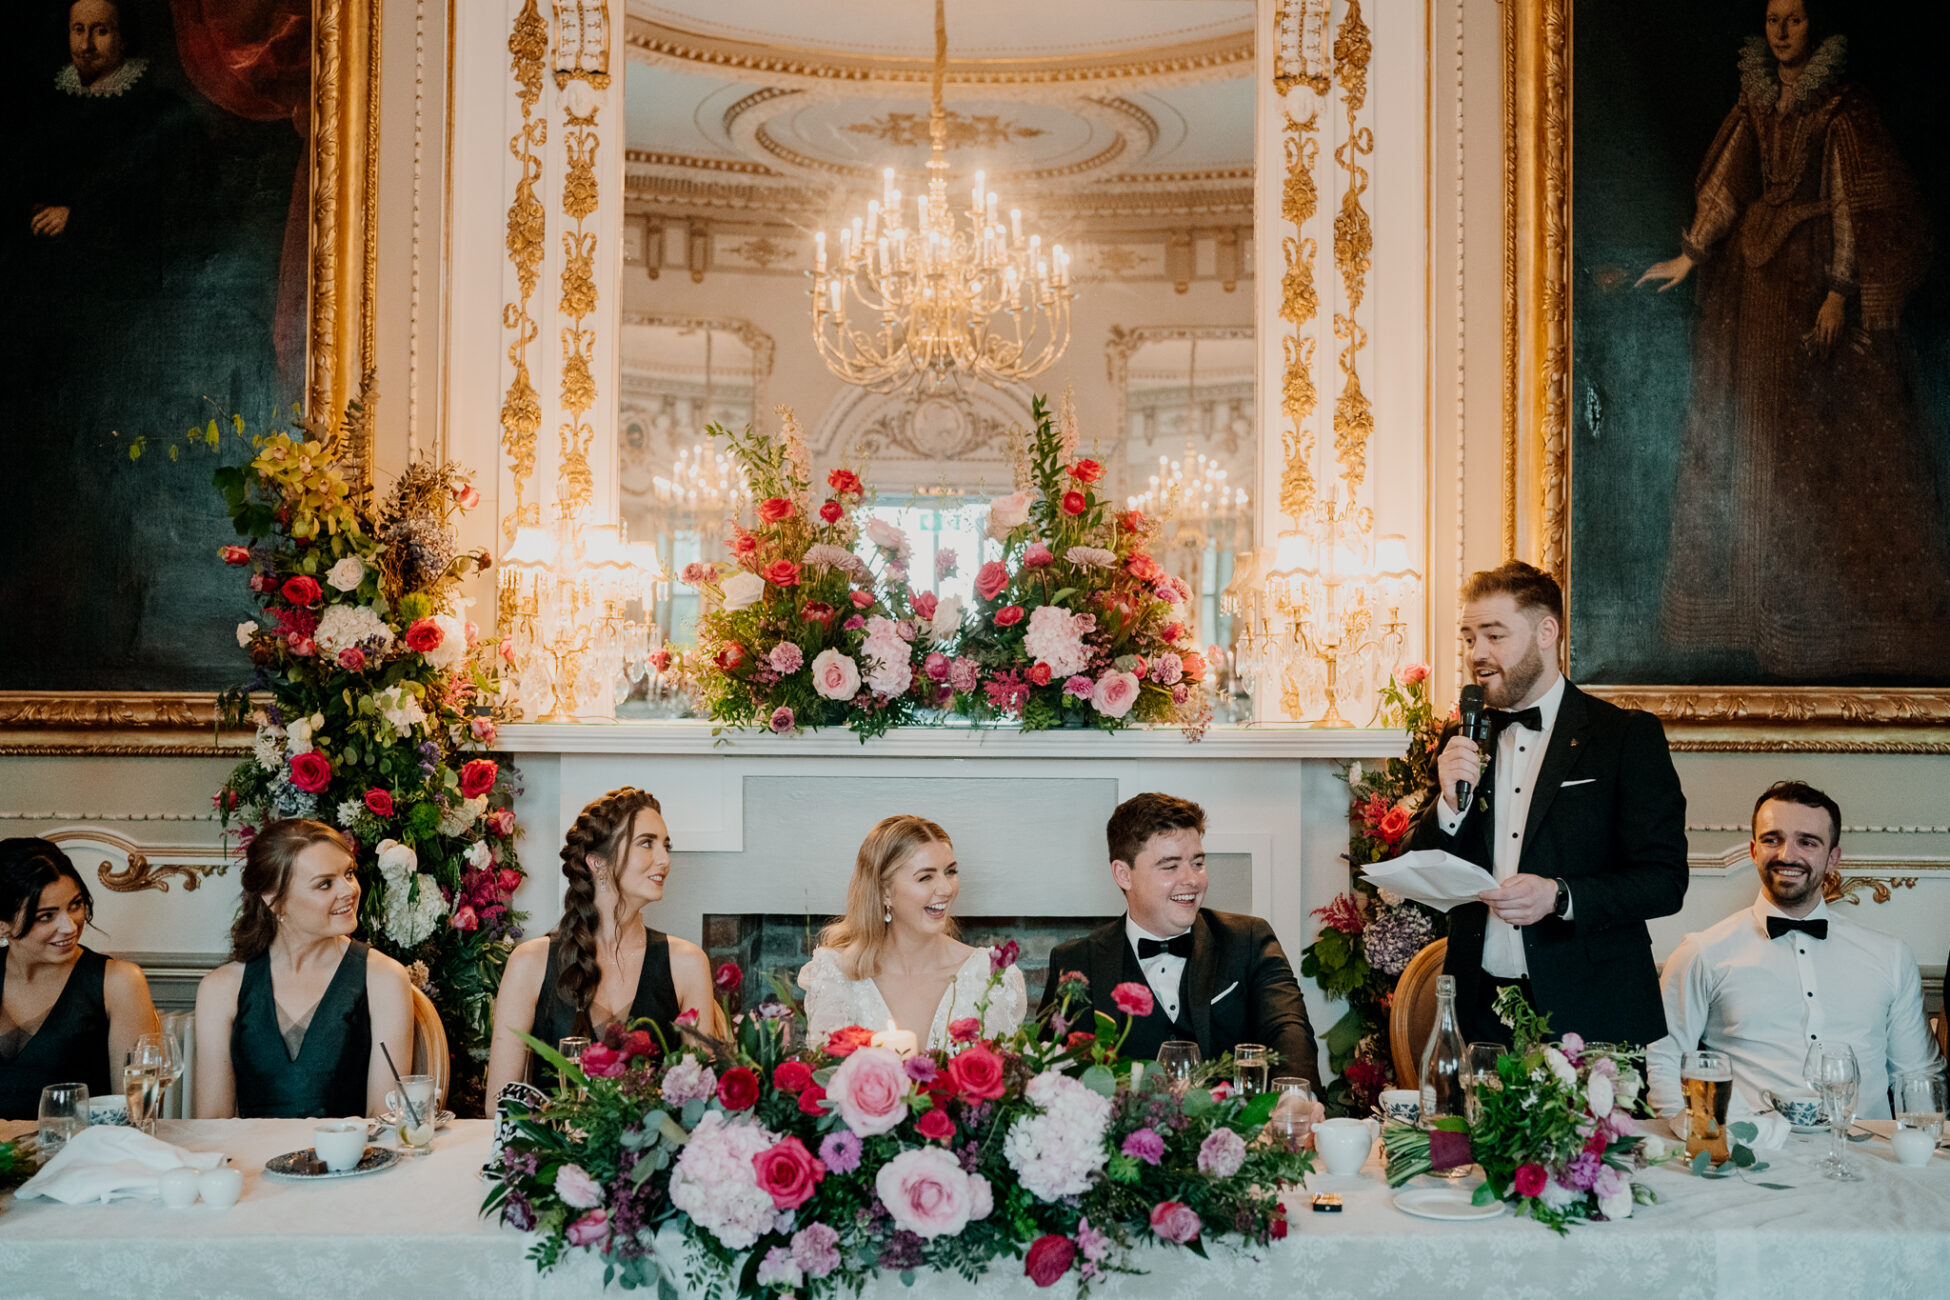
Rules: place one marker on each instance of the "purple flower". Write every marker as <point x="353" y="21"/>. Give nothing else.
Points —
<point x="921" y="1069"/>
<point x="782" y="718"/>
<point x="903" y="1252"/>
<point x="517" y="1213"/>
<point x="1145" y="1145"/>
<point x="1391" y="940"/>
<point x="854" y="624"/>
<point x="815" y="1249"/>
<point x="840" y="1149"/>
<point x="1582" y="1173"/>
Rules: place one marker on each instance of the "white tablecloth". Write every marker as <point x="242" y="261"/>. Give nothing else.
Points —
<point x="414" y="1231"/>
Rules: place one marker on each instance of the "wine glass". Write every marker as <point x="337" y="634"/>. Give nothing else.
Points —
<point x="158" y="1053"/>
<point x="1177" y="1060"/>
<point x="1479" y="1065"/>
<point x="1832" y="1071"/>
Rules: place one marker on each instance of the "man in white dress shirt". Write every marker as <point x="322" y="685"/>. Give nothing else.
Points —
<point x="1768" y="982"/>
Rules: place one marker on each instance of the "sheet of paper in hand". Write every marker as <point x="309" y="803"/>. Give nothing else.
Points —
<point x="1432" y="876"/>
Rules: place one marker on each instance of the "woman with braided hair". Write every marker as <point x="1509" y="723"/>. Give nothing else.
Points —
<point x="601" y="964"/>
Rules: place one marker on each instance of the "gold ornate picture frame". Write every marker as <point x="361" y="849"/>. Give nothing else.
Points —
<point x="340" y="326"/>
<point x="1537" y="419"/>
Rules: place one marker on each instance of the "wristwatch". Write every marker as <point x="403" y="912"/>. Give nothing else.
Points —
<point x="1563" y="903"/>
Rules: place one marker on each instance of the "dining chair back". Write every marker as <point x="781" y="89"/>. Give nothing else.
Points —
<point x="430" y="1044"/>
<point x="1411" y="1016"/>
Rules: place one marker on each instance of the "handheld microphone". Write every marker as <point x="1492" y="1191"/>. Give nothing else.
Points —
<point x="1476" y="726"/>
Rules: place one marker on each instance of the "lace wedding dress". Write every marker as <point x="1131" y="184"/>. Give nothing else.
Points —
<point x="833" y="1001"/>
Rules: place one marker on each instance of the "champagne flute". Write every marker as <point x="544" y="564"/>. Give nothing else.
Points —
<point x="1177" y="1060"/>
<point x="1832" y="1071"/>
<point x="156" y="1054"/>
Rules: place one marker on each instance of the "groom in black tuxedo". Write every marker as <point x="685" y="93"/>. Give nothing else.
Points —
<point x="1576" y="810"/>
<point x="1217" y="978"/>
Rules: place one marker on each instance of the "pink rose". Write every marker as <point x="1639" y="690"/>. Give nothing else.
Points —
<point x="935" y="666"/>
<point x="1175" y="1221"/>
<point x="1415" y="673"/>
<point x="577" y="1189"/>
<point x="870" y="1091"/>
<point x="1115" y="694"/>
<point x="502" y="822"/>
<point x="835" y="676"/>
<point x="966" y="1030"/>
<point x="601" y="1062"/>
<point x="991" y="580"/>
<point x="925" y="603"/>
<point x="788" y="1173"/>
<point x="352" y="659"/>
<point x="467" y="496"/>
<point x="925" y="1191"/>
<point x="477" y="778"/>
<point x="1008" y="616"/>
<point x="861" y="599"/>
<point x="590" y="1229"/>
<point x="1132" y="999"/>
<point x="234" y="554"/>
<point x="977" y="1074"/>
<point x="465" y="918"/>
<point x="482" y="729"/>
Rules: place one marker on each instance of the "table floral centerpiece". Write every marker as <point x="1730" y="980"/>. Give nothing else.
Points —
<point x="1553" y="1132"/>
<point x="805" y="1172"/>
<point x="368" y="703"/>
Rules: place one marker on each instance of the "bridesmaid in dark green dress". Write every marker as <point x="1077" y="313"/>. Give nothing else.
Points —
<point x="291" y="1025"/>
<point x="67" y="1014"/>
<point x="601" y="964"/>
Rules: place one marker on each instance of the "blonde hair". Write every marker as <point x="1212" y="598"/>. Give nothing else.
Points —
<point x="863" y="931"/>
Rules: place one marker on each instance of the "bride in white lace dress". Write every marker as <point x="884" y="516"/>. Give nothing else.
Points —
<point x="894" y="955"/>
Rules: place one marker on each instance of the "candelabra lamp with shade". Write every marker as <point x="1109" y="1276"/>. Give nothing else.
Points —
<point x="575" y="604"/>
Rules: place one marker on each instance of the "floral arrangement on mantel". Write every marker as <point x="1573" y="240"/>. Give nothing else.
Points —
<point x="1367" y="936"/>
<point x="1554" y="1132"/>
<point x="1076" y="624"/>
<point x="805" y="1172"/>
<point x="369" y="702"/>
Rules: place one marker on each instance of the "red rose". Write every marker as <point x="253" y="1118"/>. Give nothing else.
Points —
<point x="1530" y="1180"/>
<point x="831" y="512"/>
<point x="729" y="978"/>
<point x="380" y="801"/>
<point x="966" y="1030"/>
<point x="773" y="509"/>
<point x="1008" y="616"/>
<point x="818" y="611"/>
<point x="1039" y="674"/>
<point x="782" y="573"/>
<point x="302" y="590"/>
<point x="424" y="636"/>
<point x="991" y="580"/>
<point x="731" y="658"/>
<point x="791" y="1076"/>
<point x="935" y="1124"/>
<point x="1278" y="1225"/>
<point x="810" y="1098"/>
<point x="1086" y="471"/>
<point x="1073" y="502"/>
<point x="1133" y="521"/>
<point x="925" y="603"/>
<point x="1175" y="1221"/>
<point x="1049" y="1258"/>
<point x="844" y="480"/>
<point x="1142" y="567"/>
<point x="234" y="554"/>
<point x="262" y="583"/>
<point x="861" y="599"/>
<point x="1194" y="667"/>
<point x="1132" y="999"/>
<point x="788" y="1173"/>
<point x="637" y="1043"/>
<point x="977" y="1073"/>
<point x="1393" y="825"/>
<point x="846" y="1041"/>
<point x="1078" y="1038"/>
<point x="477" y="778"/>
<point x="659" y="658"/>
<point x="738" y="1090"/>
<point x="599" y="1061"/>
<point x="1172" y="633"/>
<point x="743" y="543"/>
<point x="310" y="772"/>
<point x="509" y="880"/>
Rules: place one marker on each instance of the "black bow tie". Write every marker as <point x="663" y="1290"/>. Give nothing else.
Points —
<point x="1181" y="946"/>
<point x="1532" y="717"/>
<point x="1780" y="925"/>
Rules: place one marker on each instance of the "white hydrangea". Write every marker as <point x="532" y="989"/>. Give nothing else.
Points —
<point x="413" y="905"/>
<point x="1059" y="1151"/>
<point x="716" y="1183"/>
<point x="456" y="820"/>
<point x="341" y="627"/>
<point x="452" y="650"/>
<point x="400" y="709"/>
<point x="478" y="854"/>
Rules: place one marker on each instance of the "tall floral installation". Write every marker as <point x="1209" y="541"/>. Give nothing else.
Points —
<point x="779" y="1172"/>
<point x="1367" y="935"/>
<point x="369" y="701"/>
<point x="1553" y="1131"/>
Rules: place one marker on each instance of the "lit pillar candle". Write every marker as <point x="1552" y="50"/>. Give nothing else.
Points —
<point x="901" y="1042"/>
<point x="819" y="249"/>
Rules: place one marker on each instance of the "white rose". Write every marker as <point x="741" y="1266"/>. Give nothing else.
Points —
<point x="298" y="736"/>
<point x="395" y="858"/>
<point x="245" y="631"/>
<point x="1560" y="1066"/>
<point x="347" y="574"/>
<point x="742" y="590"/>
<point x="1599" y="1091"/>
<point x="1618" y="1205"/>
<point x="1011" y="511"/>
<point x="478" y="856"/>
<point x="947" y="619"/>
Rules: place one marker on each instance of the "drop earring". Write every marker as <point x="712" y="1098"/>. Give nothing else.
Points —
<point x="887" y="916"/>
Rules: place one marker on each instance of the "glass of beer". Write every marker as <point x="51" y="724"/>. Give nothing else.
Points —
<point x="1706" y="1082"/>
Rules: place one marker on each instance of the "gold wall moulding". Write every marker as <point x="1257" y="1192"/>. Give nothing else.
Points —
<point x="1299" y="305"/>
<point x="344" y="205"/>
<point x="1843" y="889"/>
<point x="1300" y="56"/>
<point x="138" y="873"/>
<point x="982" y="131"/>
<point x="521" y="406"/>
<point x="1536" y="395"/>
<point x="177" y="723"/>
<point x="1122" y="344"/>
<point x="1353" y="249"/>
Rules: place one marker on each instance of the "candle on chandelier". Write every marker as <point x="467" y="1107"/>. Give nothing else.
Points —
<point x="873" y="217"/>
<point x="819" y="249"/>
<point x="889" y="195"/>
<point x="980" y="179"/>
<point x="1015" y="224"/>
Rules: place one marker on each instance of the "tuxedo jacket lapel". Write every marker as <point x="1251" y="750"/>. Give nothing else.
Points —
<point x="1196" y="983"/>
<point x="1567" y="738"/>
<point x="1107" y="947"/>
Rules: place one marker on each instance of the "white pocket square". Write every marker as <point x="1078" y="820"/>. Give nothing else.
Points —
<point x="1228" y="988"/>
<point x="1585" y="781"/>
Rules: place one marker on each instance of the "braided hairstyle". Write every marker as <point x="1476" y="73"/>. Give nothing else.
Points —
<point x="601" y="830"/>
<point x="888" y="846"/>
<point x="267" y="870"/>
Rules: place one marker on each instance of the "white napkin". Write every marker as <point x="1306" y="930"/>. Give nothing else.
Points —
<point x="1432" y="876"/>
<point x="1773" y="1130"/>
<point x="103" y="1162"/>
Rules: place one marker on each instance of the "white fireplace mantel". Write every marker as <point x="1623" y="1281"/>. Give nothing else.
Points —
<point x="1269" y="741"/>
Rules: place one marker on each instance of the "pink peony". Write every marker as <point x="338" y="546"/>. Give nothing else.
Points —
<point x="590" y="1229"/>
<point x="1175" y="1221"/>
<point x="926" y="1192"/>
<point x="869" y="1090"/>
<point x="1115" y="694"/>
<point x="1038" y="556"/>
<point x="577" y="1189"/>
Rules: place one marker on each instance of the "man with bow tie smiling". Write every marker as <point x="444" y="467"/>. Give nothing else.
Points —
<point x="1575" y="808"/>
<point x="1770" y="981"/>
<point x="1216" y="978"/>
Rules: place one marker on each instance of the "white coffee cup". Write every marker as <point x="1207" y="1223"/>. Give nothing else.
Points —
<point x="1403" y="1105"/>
<point x="1914" y="1147"/>
<point x="341" y="1145"/>
<point x="179" y="1187"/>
<point x="1344" y="1143"/>
<point x="222" y="1187"/>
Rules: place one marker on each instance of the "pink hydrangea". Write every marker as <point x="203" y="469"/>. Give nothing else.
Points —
<point x="716" y="1180"/>
<point x="1055" y="637"/>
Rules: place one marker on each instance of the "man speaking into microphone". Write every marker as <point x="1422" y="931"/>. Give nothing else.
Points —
<point x="1573" y="805"/>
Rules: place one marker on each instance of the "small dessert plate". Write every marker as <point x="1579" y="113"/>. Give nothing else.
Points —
<point x="298" y="1166"/>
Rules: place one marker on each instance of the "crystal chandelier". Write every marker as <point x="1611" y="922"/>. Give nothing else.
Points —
<point x="575" y="600"/>
<point x="1191" y="492"/>
<point x="952" y="295"/>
